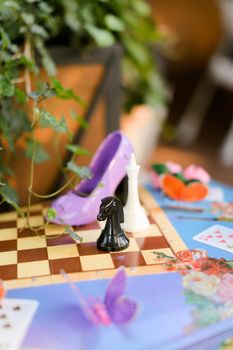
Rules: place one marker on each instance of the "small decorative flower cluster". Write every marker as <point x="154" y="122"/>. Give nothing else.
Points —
<point x="208" y="284"/>
<point x="223" y="208"/>
<point x="189" y="184"/>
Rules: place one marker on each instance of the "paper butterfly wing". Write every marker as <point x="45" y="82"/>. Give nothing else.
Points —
<point x="120" y="308"/>
<point x="88" y="311"/>
<point x="115" y="288"/>
<point x="123" y="310"/>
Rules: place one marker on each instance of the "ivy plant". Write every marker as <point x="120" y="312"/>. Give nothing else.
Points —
<point x="27" y="29"/>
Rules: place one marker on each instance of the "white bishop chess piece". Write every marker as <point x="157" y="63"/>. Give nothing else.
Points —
<point x="135" y="219"/>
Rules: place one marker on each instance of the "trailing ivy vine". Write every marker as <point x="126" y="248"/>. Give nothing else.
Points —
<point x="26" y="28"/>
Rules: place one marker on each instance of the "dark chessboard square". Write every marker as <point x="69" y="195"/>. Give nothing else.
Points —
<point x="62" y="240"/>
<point x="27" y="232"/>
<point x="34" y="213"/>
<point x="6" y="246"/>
<point x="8" y="224"/>
<point x="28" y="255"/>
<point x="152" y="243"/>
<point x="89" y="249"/>
<point x="68" y="265"/>
<point x="92" y="226"/>
<point x="8" y="272"/>
<point x="130" y="259"/>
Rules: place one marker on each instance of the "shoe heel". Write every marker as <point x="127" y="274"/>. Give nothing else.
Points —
<point x="122" y="190"/>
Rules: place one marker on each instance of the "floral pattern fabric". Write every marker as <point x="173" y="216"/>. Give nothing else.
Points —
<point x="207" y="282"/>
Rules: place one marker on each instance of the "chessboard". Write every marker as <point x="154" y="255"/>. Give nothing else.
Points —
<point x="27" y="259"/>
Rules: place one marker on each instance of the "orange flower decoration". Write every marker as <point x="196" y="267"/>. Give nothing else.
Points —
<point x="188" y="255"/>
<point x="185" y="255"/>
<point x="178" y="190"/>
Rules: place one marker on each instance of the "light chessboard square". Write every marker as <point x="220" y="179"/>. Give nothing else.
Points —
<point x="96" y="262"/>
<point x="152" y="231"/>
<point x="31" y="243"/>
<point x="33" y="269"/>
<point x="7" y="234"/>
<point x="8" y="258"/>
<point x="63" y="251"/>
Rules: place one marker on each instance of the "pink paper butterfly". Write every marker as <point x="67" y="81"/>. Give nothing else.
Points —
<point x="114" y="308"/>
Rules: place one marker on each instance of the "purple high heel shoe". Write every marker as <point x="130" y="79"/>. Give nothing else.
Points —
<point x="108" y="167"/>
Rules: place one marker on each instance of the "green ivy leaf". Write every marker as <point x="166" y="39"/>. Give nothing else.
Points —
<point x="44" y="7"/>
<point x="81" y="171"/>
<point x="13" y="121"/>
<point x="114" y="23"/>
<point x="39" y="96"/>
<point x="51" y="214"/>
<point x="63" y="127"/>
<point x="102" y="37"/>
<point x="160" y="168"/>
<point x="39" y="30"/>
<point x="64" y="93"/>
<point x="77" y="150"/>
<point x="5" y="40"/>
<point x="13" y="4"/>
<point x="141" y="7"/>
<point x="82" y="122"/>
<point x="47" y="120"/>
<point x="46" y="59"/>
<point x="9" y="195"/>
<point x="20" y="95"/>
<point x="28" y="18"/>
<point x="7" y="89"/>
<point x="40" y="153"/>
<point x="71" y="9"/>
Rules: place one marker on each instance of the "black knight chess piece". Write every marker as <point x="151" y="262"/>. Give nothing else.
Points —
<point x="112" y="237"/>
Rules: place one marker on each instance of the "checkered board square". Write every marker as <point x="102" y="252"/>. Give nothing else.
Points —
<point x="27" y="259"/>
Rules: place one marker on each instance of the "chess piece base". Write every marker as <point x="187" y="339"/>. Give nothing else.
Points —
<point x="112" y="243"/>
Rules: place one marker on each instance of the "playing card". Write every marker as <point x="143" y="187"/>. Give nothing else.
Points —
<point x="15" y="318"/>
<point x="218" y="236"/>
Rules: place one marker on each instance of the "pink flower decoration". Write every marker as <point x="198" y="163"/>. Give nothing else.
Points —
<point x="155" y="179"/>
<point x="225" y="287"/>
<point x="194" y="172"/>
<point x="173" y="167"/>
